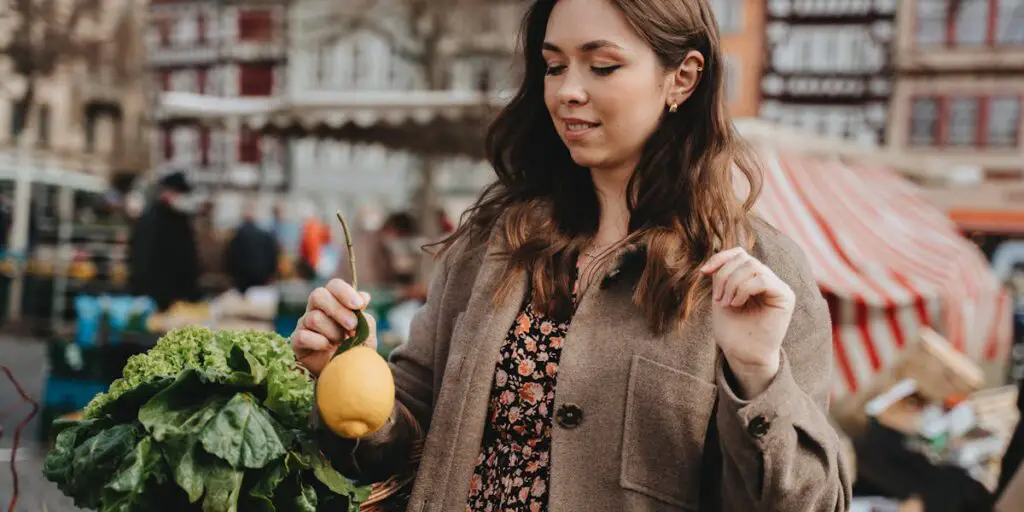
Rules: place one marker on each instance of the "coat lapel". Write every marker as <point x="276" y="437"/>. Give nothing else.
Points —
<point x="475" y="347"/>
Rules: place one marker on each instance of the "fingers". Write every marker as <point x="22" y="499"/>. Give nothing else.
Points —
<point x="725" y="271"/>
<point x="318" y="322"/>
<point x="324" y="300"/>
<point x="346" y="295"/>
<point x="753" y="285"/>
<point x="743" y="272"/>
<point x="305" y="341"/>
<point x="720" y="259"/>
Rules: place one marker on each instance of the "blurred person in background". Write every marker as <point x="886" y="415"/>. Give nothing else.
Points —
<point x="697" y="344"/>
<point x="210" y="245"/>
<point x="286" y="231"/>
<point x="314" y="237"/>
<point x="252" y="254"/>
<point x="163" y="255"/>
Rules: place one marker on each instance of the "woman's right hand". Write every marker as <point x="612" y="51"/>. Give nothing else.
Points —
<point x="328" y="320"/>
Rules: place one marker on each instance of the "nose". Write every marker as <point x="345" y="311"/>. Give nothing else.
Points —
<point x="571" y="91"/>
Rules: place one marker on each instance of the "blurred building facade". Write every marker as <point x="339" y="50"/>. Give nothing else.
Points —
<point x="375" y="79"/>
<point x="741" y="26"/>
<point x="88" y="105"/>
<point x="958" y="100"/>
<point x="828" y="66"/>
<point x="222" y="48"/>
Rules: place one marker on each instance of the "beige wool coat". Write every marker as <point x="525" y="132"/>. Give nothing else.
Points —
<point x="641" y="422"/>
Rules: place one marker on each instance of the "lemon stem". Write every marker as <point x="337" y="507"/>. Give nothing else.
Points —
<point x="351" y="253"/>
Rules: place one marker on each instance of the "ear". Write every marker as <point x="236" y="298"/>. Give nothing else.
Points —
<point x="686" y="78"/>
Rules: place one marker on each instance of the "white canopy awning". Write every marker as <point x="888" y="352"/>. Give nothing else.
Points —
<point x="49" y="172"/>
<point x="333" y="109"/>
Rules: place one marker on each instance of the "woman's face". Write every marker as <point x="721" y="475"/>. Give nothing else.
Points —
<point x="604" y="88"/>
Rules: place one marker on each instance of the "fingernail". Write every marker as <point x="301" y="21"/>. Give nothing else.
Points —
<point x="350" y="323"/>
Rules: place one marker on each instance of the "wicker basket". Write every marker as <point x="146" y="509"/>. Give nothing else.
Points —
<point x="393" y="494"/>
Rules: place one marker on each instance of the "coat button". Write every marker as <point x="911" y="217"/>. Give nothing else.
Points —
<point x="569" y="416"/>
<point x="758" y="426"/>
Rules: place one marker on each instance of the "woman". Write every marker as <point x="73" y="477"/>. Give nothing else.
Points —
<point x="690" y="345"/>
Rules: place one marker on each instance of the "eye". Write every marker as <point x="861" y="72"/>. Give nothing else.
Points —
<point x="604" y="70"/>
<point x="554" y="69"/>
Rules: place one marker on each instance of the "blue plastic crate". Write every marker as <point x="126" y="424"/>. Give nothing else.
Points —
<point x="71" y="394"/>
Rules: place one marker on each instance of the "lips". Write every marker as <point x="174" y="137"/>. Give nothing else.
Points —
<point x="576" y="128"/>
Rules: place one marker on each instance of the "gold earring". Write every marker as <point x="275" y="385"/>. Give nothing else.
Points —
<point x="673" y="108"/>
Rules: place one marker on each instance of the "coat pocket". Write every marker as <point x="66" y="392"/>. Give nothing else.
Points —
<point x="666" y="422"/>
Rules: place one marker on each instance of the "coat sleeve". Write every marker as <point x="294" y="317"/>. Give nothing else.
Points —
<point x="779" y="450"/>
<point x="394" y="449"/>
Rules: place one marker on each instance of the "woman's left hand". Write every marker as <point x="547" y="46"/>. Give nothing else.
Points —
<point x="751" y="311"/>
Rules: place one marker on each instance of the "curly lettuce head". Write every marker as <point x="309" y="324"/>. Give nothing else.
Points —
<point x="288" y="389"/>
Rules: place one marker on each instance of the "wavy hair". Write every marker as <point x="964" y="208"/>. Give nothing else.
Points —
<point x="682" y="201"/>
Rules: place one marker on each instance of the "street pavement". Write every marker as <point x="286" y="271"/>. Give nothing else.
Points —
<point x="26" y="358"/>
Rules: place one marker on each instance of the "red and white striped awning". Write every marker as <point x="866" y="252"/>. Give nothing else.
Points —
<point x="887" y="261"/>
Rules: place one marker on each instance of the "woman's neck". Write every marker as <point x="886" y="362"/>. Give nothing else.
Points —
<point x="610" y="185"/>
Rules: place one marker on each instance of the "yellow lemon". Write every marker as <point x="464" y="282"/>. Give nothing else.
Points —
<point x="356" y="393"/>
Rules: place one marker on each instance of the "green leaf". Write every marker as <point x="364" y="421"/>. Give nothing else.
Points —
<point x="361" y="335"/>
<point x="98" y="458"/>
<point x="59" y="464"/>
<point x="126" y="405"/>
<point x="289" y="395"/>
<point x="306" y="500"/>
<point x="129" y="489"/>
<point x="247" y="369"/>
<point x="337" y="483"/>
<point x="223" y="485"/>
<point x="182" y="454"/>
<point x="144" y="462"/>
<point x="262" y="491"/>
<point x="243" y="434"/>
<point x="175" y="411"/>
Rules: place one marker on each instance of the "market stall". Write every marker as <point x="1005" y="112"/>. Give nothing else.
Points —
<point x="887" y="262"/>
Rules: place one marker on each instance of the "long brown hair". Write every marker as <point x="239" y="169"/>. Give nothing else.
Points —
<point x="683" y="207"/>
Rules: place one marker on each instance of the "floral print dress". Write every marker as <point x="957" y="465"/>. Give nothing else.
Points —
<point x="513" y="466"/>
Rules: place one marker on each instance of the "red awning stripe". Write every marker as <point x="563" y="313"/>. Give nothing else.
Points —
<point x="888" y="261"/>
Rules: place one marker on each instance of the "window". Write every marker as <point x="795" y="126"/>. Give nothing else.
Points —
<point x="43" y="126"/>
<point x="183" y="80"/>
<point x="17" y="119"/>
<point x="1010" y="22"/>
<point x="924" y="122"/>
<point x="962" y="124"/>
<point x="168" y="145"/>
<point x="966" y="122"/>
<point x="90" y="130"/>
<point x="255" y="25"/>
<point x="1003" y="122"/>
<point x="202" y="80"/>
<point x="971" y="22"/>
<point x="729" y="14"/>
<point x="201" y="29"/>
<point x="256" y="80"/>
<point x="249" y="146"/>
<point x="204" y="146"/>
<point x="932" y="19"/>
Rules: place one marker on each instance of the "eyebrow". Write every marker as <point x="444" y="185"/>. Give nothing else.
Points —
<point x="585" y="47"/>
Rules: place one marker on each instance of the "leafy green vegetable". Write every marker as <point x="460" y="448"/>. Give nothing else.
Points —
<point x="203" y="421"/>
<point x="242" y="434"/>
